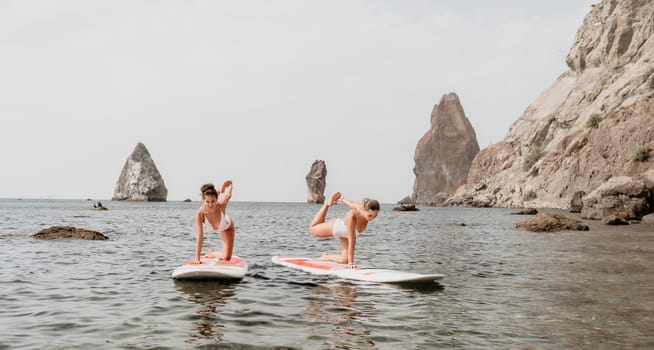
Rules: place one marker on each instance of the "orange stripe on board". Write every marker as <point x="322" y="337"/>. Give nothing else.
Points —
<point x="236" y="261"/>
<point x="303" y="262"/>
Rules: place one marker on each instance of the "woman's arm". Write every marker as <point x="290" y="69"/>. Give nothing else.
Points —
<point x="199" y="219"/>
<point x="350" y="223"/>
<point x="351" y="204"/>
<point x="225" y="188"/>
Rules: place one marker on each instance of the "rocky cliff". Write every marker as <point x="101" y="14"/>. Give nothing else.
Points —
<point x="444" y="154"/>
<point x="595" y="122"/>
<point x="316" y="182"/>
<point x="140" y="180"/>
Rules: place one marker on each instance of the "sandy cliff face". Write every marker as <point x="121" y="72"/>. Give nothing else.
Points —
<point x="140" y="179"/>
<point x="585" y="128"/>
<point x="444" y="154"/>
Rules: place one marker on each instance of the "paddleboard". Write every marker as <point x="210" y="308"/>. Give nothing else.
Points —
<point x="212" y="269"/>
<point x="321" y="267"/>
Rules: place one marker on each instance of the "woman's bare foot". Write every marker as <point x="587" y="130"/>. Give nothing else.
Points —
<point x="334" y="198"/>
<point x="210" y="254"/>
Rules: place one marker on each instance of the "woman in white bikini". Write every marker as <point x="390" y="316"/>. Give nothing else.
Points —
<point x="346" y="230"/>
<point x="212" y="213"/>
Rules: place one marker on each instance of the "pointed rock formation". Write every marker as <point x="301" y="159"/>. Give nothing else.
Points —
<point x="316" y="182"/>
<point x="589" y="126"/>
<point x="140" y="180"/>
<point x="444" y="154"/>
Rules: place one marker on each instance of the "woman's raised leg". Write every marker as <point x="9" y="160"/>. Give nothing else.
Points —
<point x="319" y="227"/>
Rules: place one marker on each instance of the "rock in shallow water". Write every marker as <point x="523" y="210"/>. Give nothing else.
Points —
<point x="550" y="223"/>
<point x="58" y="232"/>
<point x="526" y="211"/>
<point x="615" y="221"/>
<point x="406" y="207"/>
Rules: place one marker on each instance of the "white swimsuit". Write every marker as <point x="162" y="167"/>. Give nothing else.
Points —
<point x="223" y="225"/>
<point x="339" y="229"/>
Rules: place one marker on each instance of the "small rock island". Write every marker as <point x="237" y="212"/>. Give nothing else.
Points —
<point x="140" y="179"/>
<point x="316" y="182"/>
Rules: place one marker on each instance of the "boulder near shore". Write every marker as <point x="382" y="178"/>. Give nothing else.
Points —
<point x="620" y="197"/>
<point x="406" y="207"/>
<point x="550" y="223"/>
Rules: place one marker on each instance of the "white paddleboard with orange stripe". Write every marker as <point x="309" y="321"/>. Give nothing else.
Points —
<point x="213" y="269"/>
<point x="321" y="267"/>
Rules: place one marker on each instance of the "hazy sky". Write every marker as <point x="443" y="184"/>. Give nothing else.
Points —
<point x="256" y="91"/>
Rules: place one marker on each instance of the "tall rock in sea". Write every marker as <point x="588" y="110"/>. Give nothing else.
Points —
<point x="140" y="180"/>
<point x="444" y="154"/>
<point x="316" y="182"/>
<point x="593" y="123"/>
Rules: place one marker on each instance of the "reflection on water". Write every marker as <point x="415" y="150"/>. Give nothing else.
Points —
<point x="338" y="319"/>
<point x="212" y="296"/>
<point x="421" y="288"/>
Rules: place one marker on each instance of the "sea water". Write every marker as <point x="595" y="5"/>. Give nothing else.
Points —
<point x="503" y="288"/>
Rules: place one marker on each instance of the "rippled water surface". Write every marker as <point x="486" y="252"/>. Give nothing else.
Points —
<point x="502" y="288"/>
